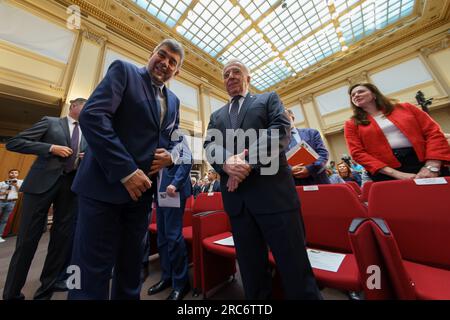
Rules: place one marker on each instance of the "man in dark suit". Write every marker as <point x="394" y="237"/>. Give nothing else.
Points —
<point x="174" y="182"/>
<point x="128" y="122"/>
<point x="213" y="184"/>
<point x="259" y="195"/>
<point x="314" y="173"/>
<point x="59" y="146"/>
<point x="196" y="189"/>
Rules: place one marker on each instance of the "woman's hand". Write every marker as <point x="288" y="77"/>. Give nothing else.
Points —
<point x="426" y="173"/>
<point x="399" y="175"/>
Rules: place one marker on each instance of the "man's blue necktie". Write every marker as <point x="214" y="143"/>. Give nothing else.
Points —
<point x="234" y="112"/>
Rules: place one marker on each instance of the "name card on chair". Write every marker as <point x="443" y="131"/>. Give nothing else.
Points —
<point x="328" y="261"/>
<point x="210" y="194"/>
<point x="226" y="242"/>
<point x="311" y="188"/>
<point x="430" y="181"/>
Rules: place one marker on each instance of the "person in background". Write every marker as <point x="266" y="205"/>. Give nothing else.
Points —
<point x="356" y="167"/>
<point x="173" y="182"/>
<point x="213" y="184"/>
<point x="346" y="173"/>
<point x="332" y="166"/>
<point x="334" y="177"/>
<point x="59" y="145"/>
<point x="9" y="193"/>
<point x="314" y="173"/>
<point x="394" y="140"/>
<point x="196" y="188"/>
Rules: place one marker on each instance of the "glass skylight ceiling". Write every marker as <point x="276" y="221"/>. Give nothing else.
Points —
<point x="276" y="39"/>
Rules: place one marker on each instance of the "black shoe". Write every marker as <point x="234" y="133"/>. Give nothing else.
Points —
<point x="179" y="294"/>
<point x="353" y="295"/>
<point x="60" y="286"/>
<point x="160" y="286"/>
<point x="19" y="297"/>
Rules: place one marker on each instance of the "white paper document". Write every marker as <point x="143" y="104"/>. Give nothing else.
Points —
<point x="324" y="260"/>
<point x="430" y="181"/>
<point x="166" y="201"/>
<point x="226" y="242"/>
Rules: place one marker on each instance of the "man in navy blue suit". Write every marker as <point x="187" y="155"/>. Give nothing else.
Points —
<point x="174" y="183"/>
<point x="259" y="196"/>
<point x="314" y="173"/>
<point x="127" y="123"/>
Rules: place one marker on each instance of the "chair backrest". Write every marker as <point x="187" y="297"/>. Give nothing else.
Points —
<point x="208" y="202"/>
<point x="418" y="216"/>
<point x="370" y="261"/>
<point x="365" y="191"/>
<point x="354" y="186"/>
<point x="327" y="213"/>
<point x="187" y="217"/>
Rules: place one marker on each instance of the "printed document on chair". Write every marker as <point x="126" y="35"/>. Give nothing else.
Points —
<point x="328" y="261"/>
<point x="303" y="154"/>
<point x="226" y="242"/>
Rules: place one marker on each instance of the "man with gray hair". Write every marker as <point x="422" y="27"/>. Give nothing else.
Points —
<point x="128" y="122"/>
<point x="263" y="206"/>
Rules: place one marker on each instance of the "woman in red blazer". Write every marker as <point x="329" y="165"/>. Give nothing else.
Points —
<point x="394" y="141"/>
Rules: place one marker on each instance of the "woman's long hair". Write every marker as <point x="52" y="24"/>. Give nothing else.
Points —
<point x="349" y="170"/>
<point x="382" y="102"/>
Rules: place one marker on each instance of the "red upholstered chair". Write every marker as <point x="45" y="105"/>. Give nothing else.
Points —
<point x="372" y="269"/>
<point x="205" y="202"/>
<point x="413" y="232"/>
<point x="327" y="214"/>
<point x="187" y="225"/>
<point x="354" y="186"/>
<point x="364" y="197"/>
<point x="153" y="232"/>
<point x="213" y="264"/>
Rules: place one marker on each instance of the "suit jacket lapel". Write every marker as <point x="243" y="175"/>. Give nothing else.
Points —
<point x="247" y="102"/>
<point x="226" y="115"/>
<point x="150" y="93"/>
<point x="65" y="128"/>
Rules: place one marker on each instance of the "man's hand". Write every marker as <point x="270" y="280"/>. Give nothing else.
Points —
<point x="171" y="190"/>
<point x="161" y="160"/>
<point x="232" y="184"/>
<point x="236" y="167"/>
<point x="300" y="172"/>
<point x="137" y="184"/>
<point x="60" y="151"/>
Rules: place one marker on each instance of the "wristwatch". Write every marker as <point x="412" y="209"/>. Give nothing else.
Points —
<point x="433" y="169"/>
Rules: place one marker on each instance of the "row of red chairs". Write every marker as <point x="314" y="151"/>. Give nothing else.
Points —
<point x="400" y="239"/>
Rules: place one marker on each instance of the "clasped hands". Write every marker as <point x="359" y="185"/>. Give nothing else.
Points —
<point x="237" y="169"/>
<point x="140" y="182"/>
<point x="299" y="171"/>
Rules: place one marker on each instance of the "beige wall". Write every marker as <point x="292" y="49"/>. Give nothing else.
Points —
<point x="433" y="52"/>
